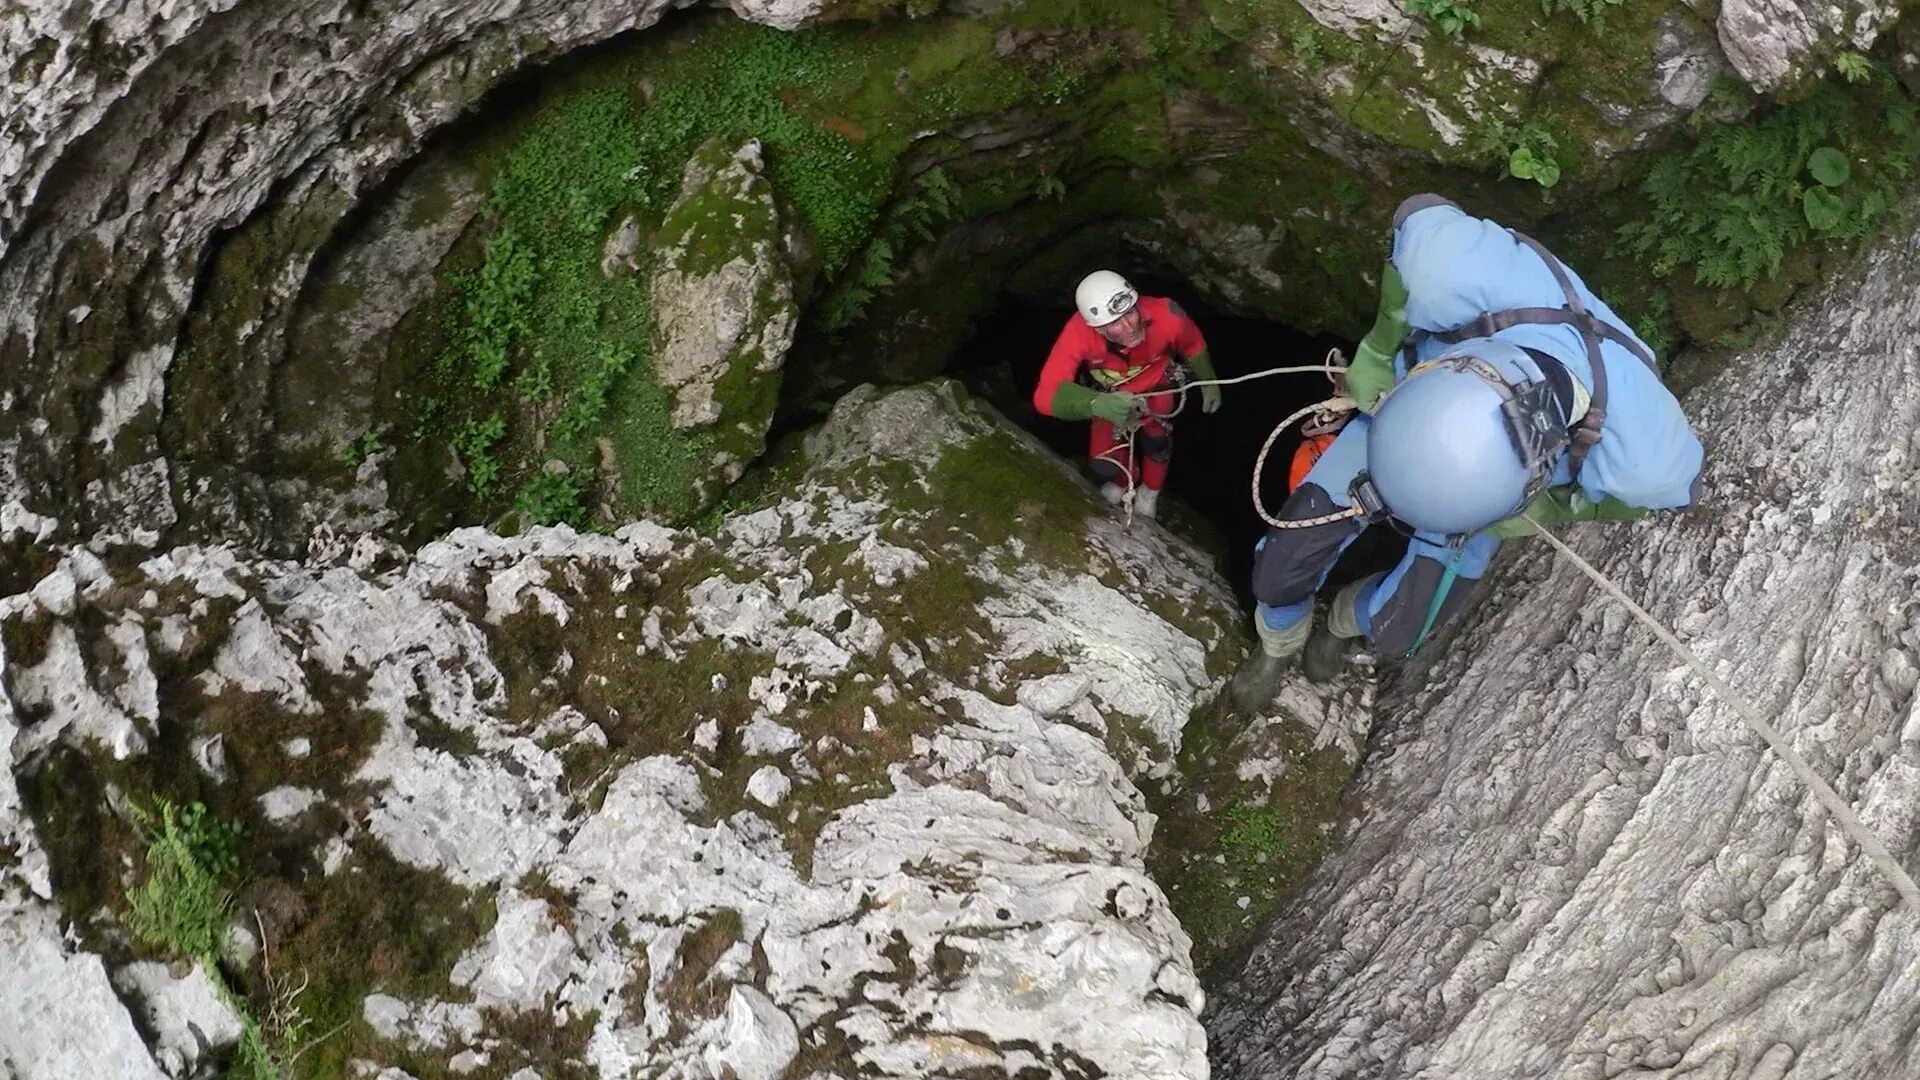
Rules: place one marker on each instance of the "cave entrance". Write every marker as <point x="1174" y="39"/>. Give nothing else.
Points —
<point x="1209" y="481"/>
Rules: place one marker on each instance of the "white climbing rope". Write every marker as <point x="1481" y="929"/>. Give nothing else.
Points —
<point x="1850" y="822"/>
<point x="1324" y="410"/>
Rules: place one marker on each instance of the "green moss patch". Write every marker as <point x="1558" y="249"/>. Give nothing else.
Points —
<point x="1228" y="868"/>
<point x="376" y="925"/>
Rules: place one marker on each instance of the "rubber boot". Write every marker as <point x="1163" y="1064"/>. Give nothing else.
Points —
<point x="1261" y="674"/>
<point x="1328" y="648"/>
<point x="1146" y="503"/>
<point x="1113" y="493"/>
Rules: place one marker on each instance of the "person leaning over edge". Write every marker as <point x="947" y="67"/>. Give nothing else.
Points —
<point x="1493" y="382"/>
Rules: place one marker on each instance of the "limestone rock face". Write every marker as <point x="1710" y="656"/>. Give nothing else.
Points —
<point x="723" y="305"/>
<point x="528" y="783"/>
<point x="1574" y="861"/>
<point x="1774" y="42"/>
<point x="172" y="123"/>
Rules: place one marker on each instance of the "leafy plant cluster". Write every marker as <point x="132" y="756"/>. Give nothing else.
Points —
<point x="1831" y="166"/>
<point x="182" y="907"/>
<point x="361" y="448"/>
<point x="1591" y="12"/>
<point x="1446" y="16"/>
<point x="1525" y="151"/>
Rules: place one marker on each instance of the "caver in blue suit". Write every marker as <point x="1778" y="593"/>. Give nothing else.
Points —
<point x="1493" y="382"/>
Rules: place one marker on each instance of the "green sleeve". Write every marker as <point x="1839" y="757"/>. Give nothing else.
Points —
<point x="1073" y="401"/>
<point x="1564" y="505"/>
<point x="1202" y="365"/>
<point x="1390" y="322"/>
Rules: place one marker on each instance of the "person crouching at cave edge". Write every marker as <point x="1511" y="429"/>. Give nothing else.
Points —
<point x="1492" y="383"/>
<point x="1129" y="346"/>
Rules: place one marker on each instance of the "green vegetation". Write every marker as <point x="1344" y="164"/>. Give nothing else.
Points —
<point x="182" y="905"/>
<point x="1853" y="67"/>
<point x="1591" y="12"/>
<point x="182" y="908"/>
<point x="538" y="316"/>
<point x="1525" y="151"/>
<point x="362" y="448"/>
<point x="1446" y="16"/>
<point x="1831" y="166"/>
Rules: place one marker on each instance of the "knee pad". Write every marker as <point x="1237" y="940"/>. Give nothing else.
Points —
<point x="1106" y="470"/>
<point x="1157" y="448"/>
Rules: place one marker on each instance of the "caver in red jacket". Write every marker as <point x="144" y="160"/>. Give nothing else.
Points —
<point x="1146" y="368"/>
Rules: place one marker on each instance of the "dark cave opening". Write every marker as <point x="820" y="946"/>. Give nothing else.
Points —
<point x="1209" y="481"/>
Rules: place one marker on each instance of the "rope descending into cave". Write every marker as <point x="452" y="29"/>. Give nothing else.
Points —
<point x="1329" y="408"/>
<point x="1850" y="822"/>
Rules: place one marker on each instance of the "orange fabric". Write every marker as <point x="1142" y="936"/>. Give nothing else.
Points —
<point x="1308" y="452"/>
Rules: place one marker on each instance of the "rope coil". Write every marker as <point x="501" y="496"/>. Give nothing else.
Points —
<point x="1324" y="411"/>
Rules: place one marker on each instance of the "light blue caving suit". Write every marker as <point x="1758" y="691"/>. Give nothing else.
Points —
<point x="1455" y="268"/>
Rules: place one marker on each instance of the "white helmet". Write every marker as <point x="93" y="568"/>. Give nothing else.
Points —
<point x="1104" y="296"/>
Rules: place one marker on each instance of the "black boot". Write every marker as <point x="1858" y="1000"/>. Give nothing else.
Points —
<point x="1326" y="655"/>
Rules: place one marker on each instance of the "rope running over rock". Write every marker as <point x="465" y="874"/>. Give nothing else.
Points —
<point x="1849" y="822"/>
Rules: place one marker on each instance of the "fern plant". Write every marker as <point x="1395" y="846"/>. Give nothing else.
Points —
<point x="1853" y="67"/>
<point x="1831" y="166"/>
<point x="1591" y="12"/>
<point x="917" y="218"/>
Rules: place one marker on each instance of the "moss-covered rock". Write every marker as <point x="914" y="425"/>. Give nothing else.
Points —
<point x="723" y="309"/>
<point x="567" y="802"/>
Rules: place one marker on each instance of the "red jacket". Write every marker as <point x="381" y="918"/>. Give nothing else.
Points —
<point x="1171" y="335"/>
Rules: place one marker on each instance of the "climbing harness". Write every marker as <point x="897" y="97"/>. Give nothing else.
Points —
<point x="1849" y="822"/>
<point x="1585" y="432"/>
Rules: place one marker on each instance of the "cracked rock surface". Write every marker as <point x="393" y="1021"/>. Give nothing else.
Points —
<point x="847" y="786"/>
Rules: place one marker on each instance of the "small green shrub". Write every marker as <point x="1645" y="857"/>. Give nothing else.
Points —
<point x="1591" y="12"/>
<point x="182" y="905"/>
<point x="360" y="449"/>
<point x="474" y="442"/>
<point x="550" y="499"/>
<point x="1833" y="165"/>
<point x="1446" y="16"/>
<point x="1523" y="151"/>
<point x="1307" y="44"/>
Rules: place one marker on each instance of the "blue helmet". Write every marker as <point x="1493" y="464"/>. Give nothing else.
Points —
<point x="1466" y="439"/>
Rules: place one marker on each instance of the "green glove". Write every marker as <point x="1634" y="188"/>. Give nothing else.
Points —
<point x="1073" y="401"/>
<point x="1371" y="373"/>
<point x="1202" y="365"/>
<point x="1114" y="408"/>
<point x="1563" y="505"/>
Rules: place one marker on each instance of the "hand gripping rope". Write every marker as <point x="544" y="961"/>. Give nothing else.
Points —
<point x="1324" y="411"/>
